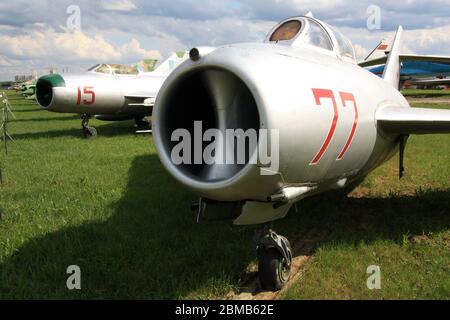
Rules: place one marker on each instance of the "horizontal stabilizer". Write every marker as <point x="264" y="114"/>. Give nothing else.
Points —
<point x="373" y="62"/>
<point x="401" y="120"/>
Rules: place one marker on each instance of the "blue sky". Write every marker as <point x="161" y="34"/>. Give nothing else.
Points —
<point x="34" y="34"/>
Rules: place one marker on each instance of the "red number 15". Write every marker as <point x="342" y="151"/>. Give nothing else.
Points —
<point x="345" y="97"/>
<point x="87" y="91"/>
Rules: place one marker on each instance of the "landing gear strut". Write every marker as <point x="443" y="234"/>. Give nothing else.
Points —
<point x="274" y="259"/>
<point x="89" y="132"/>
<point x="141" y="123"/>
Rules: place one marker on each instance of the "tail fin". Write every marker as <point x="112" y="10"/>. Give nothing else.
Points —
<point x="381" y="50"/>
<point x="171" y="63"/>
<point x="392" y="70"/>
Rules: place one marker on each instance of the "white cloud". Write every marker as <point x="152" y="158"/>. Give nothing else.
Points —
<point x="133" y="50"/>
<point x="124" y="30"/>
<point x="5" y="62"/>
<point x="118" y="5"/>
<point x="437" y="39"/>
<point x="70" y="46"/>
<point x="361" y="52"/>
<point x="420" y="41"/>
<point x="42" y="48"/>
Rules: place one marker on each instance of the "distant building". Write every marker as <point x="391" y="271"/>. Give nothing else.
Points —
<point x="24" y="78"/>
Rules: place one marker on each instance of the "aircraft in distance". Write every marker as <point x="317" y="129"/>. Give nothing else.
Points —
<point x="27" y="88"/>
<point x="335" y="122"/>
<point x="110" y="92"/>
<point x="420" y="73"/>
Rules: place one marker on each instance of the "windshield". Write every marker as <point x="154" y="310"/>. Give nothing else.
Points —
<point x="93" y="68"/>
<point x="287" y="31"/>
<point x="119" y="69"/>
<point x="345" y="46"/>
<point x="124" y="69"/>
<point x="104" y="68"/>
<point x="318" y="37"/>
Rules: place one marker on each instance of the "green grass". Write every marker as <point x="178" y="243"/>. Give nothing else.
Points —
<point x="108" y="206"/>
<point x="402" y="226"/>
<point x="425" y="93"/>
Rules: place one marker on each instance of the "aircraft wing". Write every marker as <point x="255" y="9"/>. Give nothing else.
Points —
<point x="402" y="121"/>
<point x="373" y="62"/>
<point x="415" y="57"/>
<point x="406" y="57"/>
<point x="431" y="82"/>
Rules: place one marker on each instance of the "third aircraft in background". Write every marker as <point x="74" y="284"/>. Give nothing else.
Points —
<point x="430" y="73"/>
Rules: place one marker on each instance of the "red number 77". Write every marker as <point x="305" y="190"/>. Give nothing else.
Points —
<point x="345" y="97"/>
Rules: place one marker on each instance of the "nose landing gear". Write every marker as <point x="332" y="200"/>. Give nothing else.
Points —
<point x="143" y="124"/>
<point x="274" y="259"/>
<point x="88" y="132"/>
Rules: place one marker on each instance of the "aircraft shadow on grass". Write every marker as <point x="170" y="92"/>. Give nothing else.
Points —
<point x="71" y="118"/>
<point x="151" y="246"/>
<point x="113" y="129"/>
<point x="35" y="109"/>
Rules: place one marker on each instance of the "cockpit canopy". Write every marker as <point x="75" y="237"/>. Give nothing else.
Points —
<point x="114" y="69"/>
<point x="306" y="31"/>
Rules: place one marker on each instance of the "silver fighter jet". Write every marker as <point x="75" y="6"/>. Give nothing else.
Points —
<point x="336" y="123"/>
<point x="108" y="92"/>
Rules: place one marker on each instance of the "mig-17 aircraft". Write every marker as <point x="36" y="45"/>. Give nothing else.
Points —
<point x="323" y="121"/>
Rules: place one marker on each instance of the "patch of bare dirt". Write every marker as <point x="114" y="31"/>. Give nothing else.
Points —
<point x="429" y="100"/>
<point x="303" y="248"/>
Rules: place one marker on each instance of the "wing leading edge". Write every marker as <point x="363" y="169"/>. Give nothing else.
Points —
<point x="403" y="121"/>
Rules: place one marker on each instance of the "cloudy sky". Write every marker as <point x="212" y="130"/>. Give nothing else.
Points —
<point x="38" y="35"/>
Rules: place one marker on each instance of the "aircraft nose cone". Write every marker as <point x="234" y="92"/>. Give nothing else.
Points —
<point x="44" y="88"/>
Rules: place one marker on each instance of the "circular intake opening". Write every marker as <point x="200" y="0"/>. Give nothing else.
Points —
<point x="205" y="99"/>
<point x="44" y="93"/>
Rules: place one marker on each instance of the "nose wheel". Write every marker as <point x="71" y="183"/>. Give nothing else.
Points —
<point x="274" y="259"/>
<point x="88" y="132"/>
<point x="143" y="124"/>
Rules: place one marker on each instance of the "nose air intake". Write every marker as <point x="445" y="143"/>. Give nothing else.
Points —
<point x="220" y="100"/>
<point x="44" y="88"/>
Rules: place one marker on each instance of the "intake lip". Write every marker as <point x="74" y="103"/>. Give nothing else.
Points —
<point x="44" y="89"/>
<point x="221" y="97"/>
<point x="219" y="100"/>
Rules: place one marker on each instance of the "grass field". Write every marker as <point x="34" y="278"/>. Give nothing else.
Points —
<point x="108" y="206"/>
<point x="425" y="93"/>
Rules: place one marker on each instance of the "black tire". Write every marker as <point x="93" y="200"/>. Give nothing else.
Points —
<point x="142" y="124"/>
<point x="90" y="133"/>
<point x="273" y="274"/>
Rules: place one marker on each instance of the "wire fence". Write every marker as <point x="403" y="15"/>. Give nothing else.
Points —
<point x="6" y="112"/>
